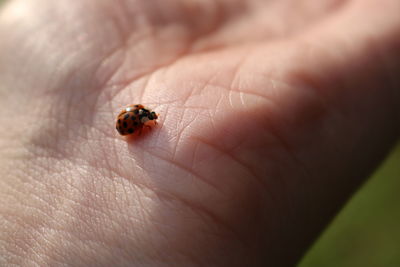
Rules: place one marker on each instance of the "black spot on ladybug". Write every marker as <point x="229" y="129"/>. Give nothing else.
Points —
<point x="135" y="123"/>
<point x="133" y="118"/>
<point x="125" y="124"/>
<point x="119" y="121"/>
<point x="126" y="116"/>
<point x="130" y="130"/>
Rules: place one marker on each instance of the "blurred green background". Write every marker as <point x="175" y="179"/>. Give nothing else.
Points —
<point x="367" y="231"/>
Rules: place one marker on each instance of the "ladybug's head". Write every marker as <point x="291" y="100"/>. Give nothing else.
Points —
<point x="153" y="116"/>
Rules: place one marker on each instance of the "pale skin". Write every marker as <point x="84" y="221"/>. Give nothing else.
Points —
<point x="271" y="114"/>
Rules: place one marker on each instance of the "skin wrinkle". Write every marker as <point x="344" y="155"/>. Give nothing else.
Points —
<point x="182" y="105"/>
<point x="302" y="170"/>
<point x="70" y="72"/>
<point x="44" y="257"/>
<point x="60" y="130"/>
<point x="126" y="83"/>
<point x="272" y="34"/>
<point x="61" y="200"/>
<point x="71" y="75"/>
<point x="194" y="206"/>
<point x="78" y="247"/>
<point x="236" y="72"/>
<point x="159" y="226"/>
<point x="239" y="162"/>
<point x="20" y="243"/>
<point x="147" y="80"/>
<point x="46" y="150"/>
<point x="284" y="144"/>
<point x="67" y="127"/>
<point x="194" y="154"/>
<point x="188" y="96"/>
<point x="44" y="144"/>
<point x="177" y="138"/>
<point x="166" y="65"/>
<point x="104" y="164"/>
<point x="124" y="210"/>
<point x="178" y="56"/>
<point x="10" y="192"/>
<point x="162" y="128"/>
<point x="183" y="127"/>
<point x="125" y="50"/>
<point x="220" y="23"/>
<point x="73" y="72"/>
<point x="105" y="62"/>
<point x="187" y="170"/>
<point x="219" y="103"/>
<point x="45" y="212"/>
<point x="187" y="125"/>
<point x="26" y="177"/>
<point x="232" y="89"/>
<point x="161" y="195"/>
<point x="29" y="259"/>
<point x="113" y="174"/>
<point x="94" y="240"/>
<point x="200" y="210"/>
<point x="84" y="224"/>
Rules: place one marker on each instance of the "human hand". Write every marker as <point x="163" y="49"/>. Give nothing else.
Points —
<point x="271" y="114"/>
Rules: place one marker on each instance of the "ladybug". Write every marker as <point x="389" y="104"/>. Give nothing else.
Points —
<point x="133" y="118"/>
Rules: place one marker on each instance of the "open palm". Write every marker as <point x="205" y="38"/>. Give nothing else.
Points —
<point x="271" y="114"/>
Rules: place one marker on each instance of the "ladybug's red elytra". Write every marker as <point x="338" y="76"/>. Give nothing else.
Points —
<point x="133" y="118"/>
